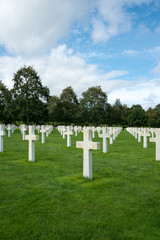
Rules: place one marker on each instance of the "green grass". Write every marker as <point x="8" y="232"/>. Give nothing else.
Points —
<point x="50" y="200"/>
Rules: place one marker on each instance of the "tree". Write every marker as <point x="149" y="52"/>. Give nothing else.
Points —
<point x="109" y="114"/>
<point x="157" y="112"/>
<point x="29" y="96"/>
<point x="117" y="112"/>
<point x="152" y="117"/>
<point x="54" y="109"/>
<point x="93" y="105"/>
<point x="67" y="107"/>
<point x="137" y="116"/>
<point x="5" y="104"/>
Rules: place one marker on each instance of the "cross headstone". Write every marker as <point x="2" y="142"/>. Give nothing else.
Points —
<point x="75" y="130"/>
<point x="157" y="141"/>
<point x="111" y="135"/>
<point x="87" y="146"/>
<point x="104" y="135"/>
<point x="2" y="133"/>
<point x="63" y="131"/>
<point x="145" y="134"/>
<point x="43" y="131"/>
<point x="13" y="128"/>
<point x="69" y="132"/>
<point x="98" y="130"/>
<point x="31" y="138"/>
<point x="23" y="130"/>
<point x="152" y="131"/>
<point x="38" y="127"/>
<point x="9" y="128"/>
<point x="139" y="135"/>
<point x="93" y="131"/>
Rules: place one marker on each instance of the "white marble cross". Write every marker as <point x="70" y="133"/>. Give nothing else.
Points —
<point x="145" y="134"/>
<point x="47" y="130"/>
<point x="157" y="141"/>
<point x="38" y="128"/>
<point x="111" y="135"/>
<point x="9" y="128"/>
<point x="23" y="130"/>
<point x="87" y="146"/>
<point x="139" y="135"/>
<point x="93" y="131"/>
<point x="69" y="132"/>
<point x="76" y="130"/>
<point x="63" y="131"/>
<point x="2" y="133"/>
<point x="98" y="130"/>
<point x="31" y="138"/>
<point x="13" y="128"/>
<point x="43" y="131"/>
<point x="104" y="135"/>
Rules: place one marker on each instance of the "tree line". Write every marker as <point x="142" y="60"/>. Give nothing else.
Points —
<point x="30" y="102"/>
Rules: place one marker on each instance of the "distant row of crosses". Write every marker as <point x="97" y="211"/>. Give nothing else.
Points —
<point x="87" y="145"/>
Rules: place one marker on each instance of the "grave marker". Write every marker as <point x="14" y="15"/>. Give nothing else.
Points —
<point x="31" y="138"/>
<point x="145" y="134"/>
<point x="69" y="133"/>
<point x="43" y="131"/>
<point x="157" y="142"/>
<point x="87" y="146"/>
<point x="9" y="128"/>
<point x="2" y="133"/>
<point x="104" y="135"/>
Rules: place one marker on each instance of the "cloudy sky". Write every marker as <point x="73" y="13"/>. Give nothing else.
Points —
<point x="84" y="43"/>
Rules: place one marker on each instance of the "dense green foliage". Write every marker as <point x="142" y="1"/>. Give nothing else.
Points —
<point x="49" y="199"/>
<point x="28" y="96"/>
<point x="30" y="102"/>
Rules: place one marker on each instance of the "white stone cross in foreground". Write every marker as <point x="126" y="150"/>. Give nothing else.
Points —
<point x="31" y="138"/>
<point x="104" y="135"/>
<point x="2" y="133"/>
<point x="87" y="146"/>
<point x="157" y="141"/>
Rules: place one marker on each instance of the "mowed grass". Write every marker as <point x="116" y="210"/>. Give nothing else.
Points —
<point x="50" y="200"/>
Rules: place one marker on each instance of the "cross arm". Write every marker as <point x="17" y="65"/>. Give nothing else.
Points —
<point x="79" y="144"/>
<point x="33" y="138"/>
<point x="152" y="140"/>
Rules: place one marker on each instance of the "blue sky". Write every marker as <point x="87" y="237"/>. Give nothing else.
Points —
<point x="84" y="43"/>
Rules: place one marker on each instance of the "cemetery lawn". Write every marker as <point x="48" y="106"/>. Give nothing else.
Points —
<point x="50" y="200"/>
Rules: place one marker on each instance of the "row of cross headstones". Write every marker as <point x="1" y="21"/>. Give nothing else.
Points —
<point x="103" y="132"/>
<point x="10" y="128"/>
<point x="87" y="145"/>
<point x="31" y="137"/>
<point x="152" y="133"/>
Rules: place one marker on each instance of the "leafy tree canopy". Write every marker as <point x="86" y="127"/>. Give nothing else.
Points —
<point x="29" y="95"/>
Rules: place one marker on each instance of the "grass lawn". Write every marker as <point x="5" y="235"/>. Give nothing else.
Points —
<point x="50" y="200"/>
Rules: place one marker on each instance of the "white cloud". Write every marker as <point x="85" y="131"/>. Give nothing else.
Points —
<point x="156" y="70"/>
<point x="157" y="30"/>
<point x="59" y="69"/>
<point x="34" y="27"/>
<point x="144" y="93"/>
<point x="113" y="19"/>
<point x="131" y="52"/>
<point x="62" y="68"/>
<point x="154" y="51"/>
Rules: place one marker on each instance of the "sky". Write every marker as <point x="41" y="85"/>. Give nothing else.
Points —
<point x="114" y="44"/>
